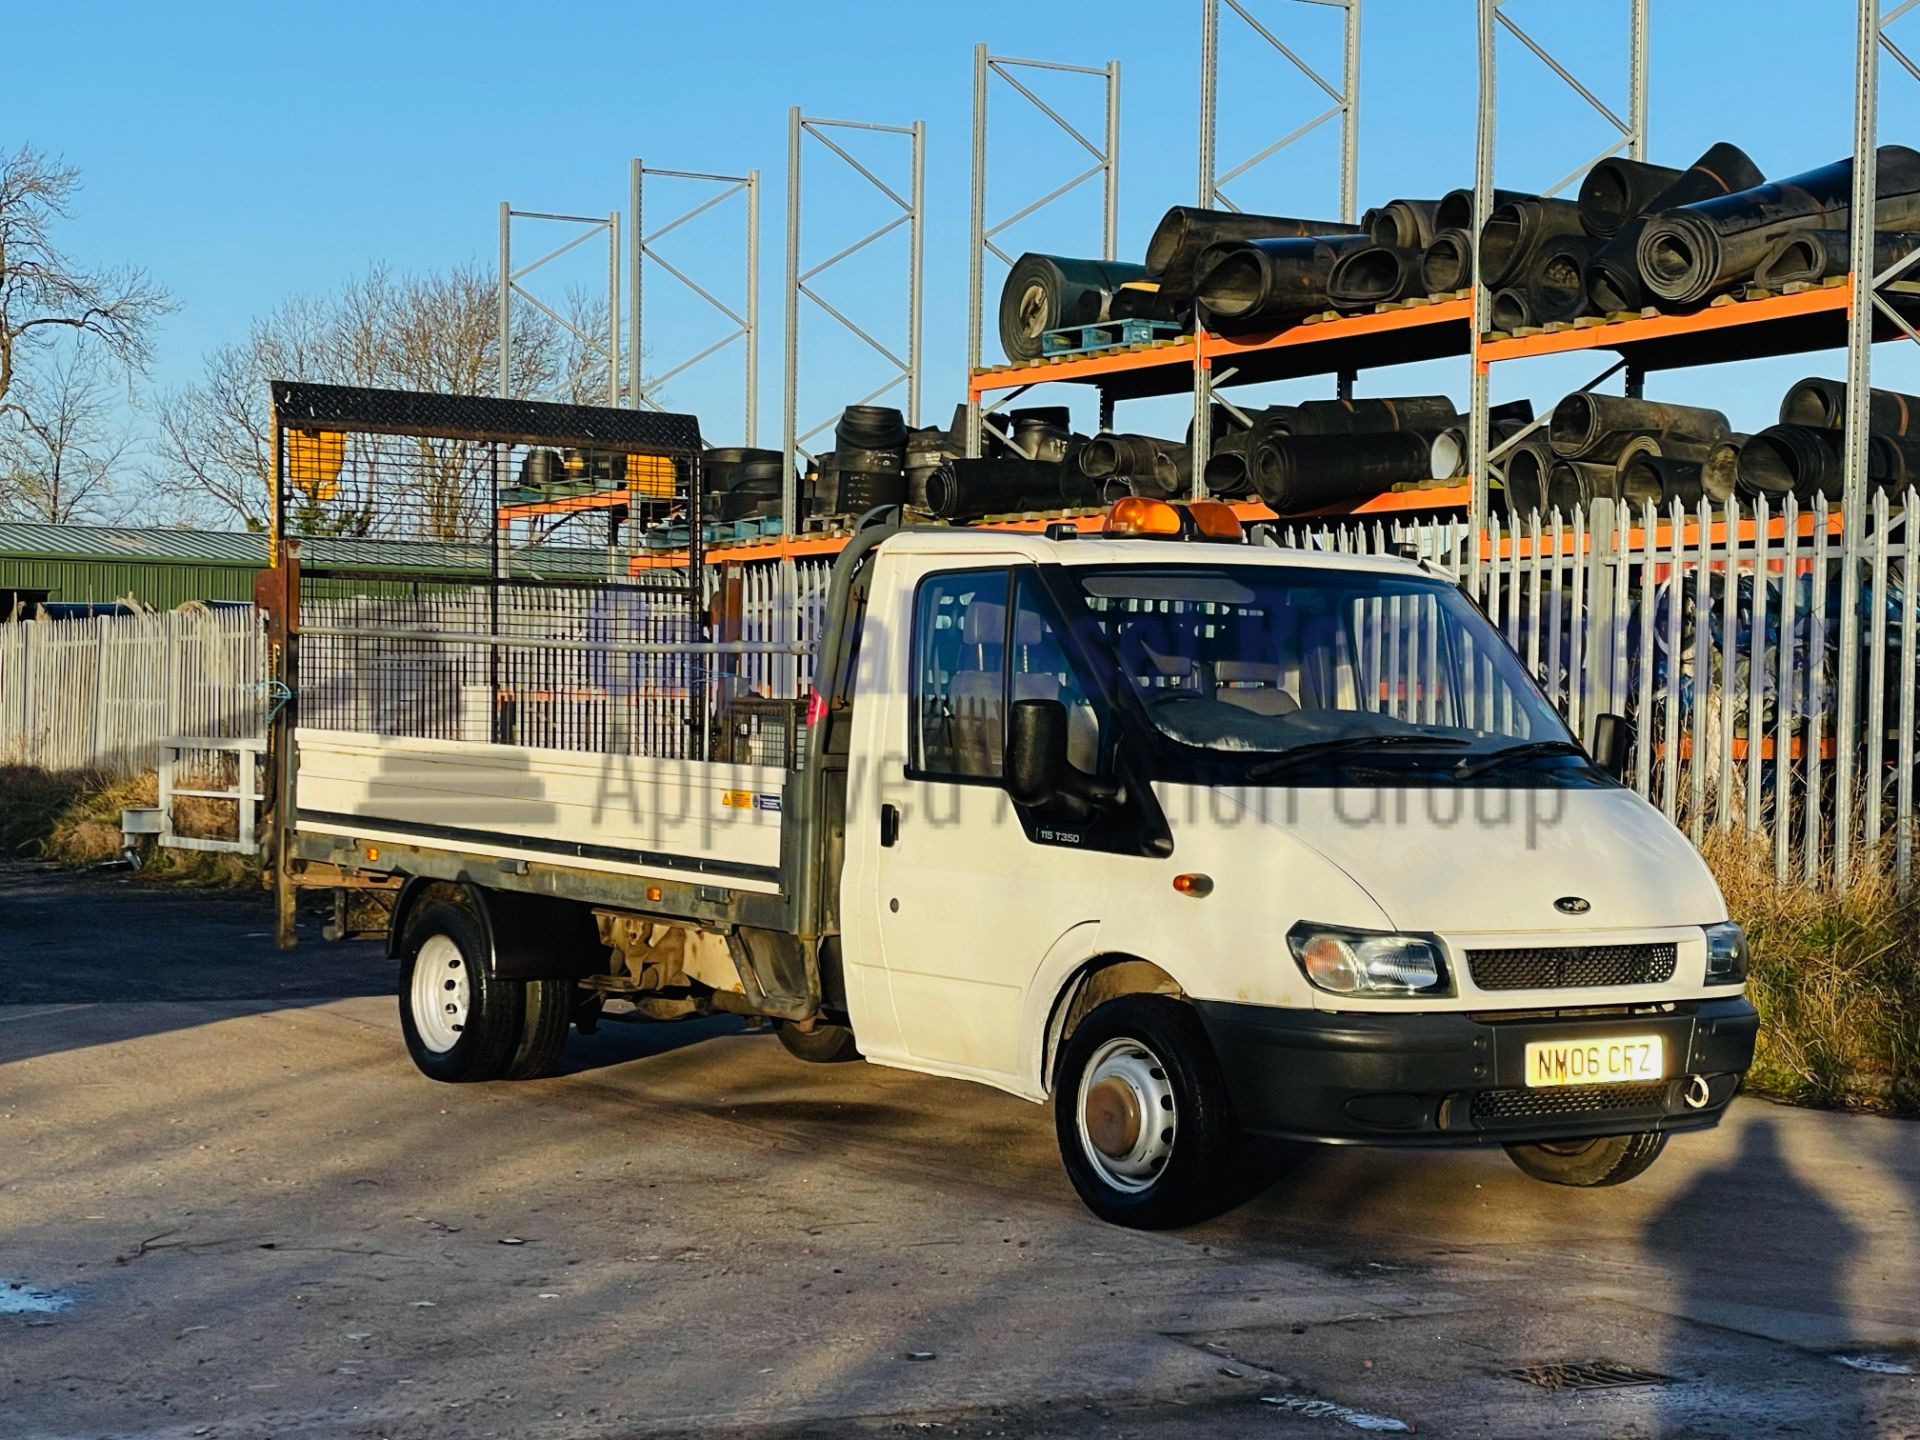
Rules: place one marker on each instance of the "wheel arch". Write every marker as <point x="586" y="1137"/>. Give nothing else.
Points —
<point x="528" y="937"/>
<point x="1102" y="977"/>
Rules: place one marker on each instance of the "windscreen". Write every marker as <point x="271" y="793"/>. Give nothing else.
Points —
<point x="1307" y="672"/>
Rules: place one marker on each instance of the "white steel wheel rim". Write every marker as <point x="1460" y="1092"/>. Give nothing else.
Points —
<point x="1126" y="1081"/>
<point x="442" y="993"/>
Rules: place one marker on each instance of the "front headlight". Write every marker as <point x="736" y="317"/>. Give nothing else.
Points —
<point x="1367" y="962"/>
<point x="1726" y="954"/>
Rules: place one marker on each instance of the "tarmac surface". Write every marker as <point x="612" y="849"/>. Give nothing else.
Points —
<point x="229" y="1206"/>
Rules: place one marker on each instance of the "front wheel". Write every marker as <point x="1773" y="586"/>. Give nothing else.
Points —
<point x="1609" y="1160"/>
<point x="822" y="1045"/>
<point x="1142" y="1117"/>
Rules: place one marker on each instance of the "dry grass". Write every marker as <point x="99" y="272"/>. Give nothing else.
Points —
<point x="73" y="817"/>
<point x="31" y="803"/>
<point x="1836" y="977"/>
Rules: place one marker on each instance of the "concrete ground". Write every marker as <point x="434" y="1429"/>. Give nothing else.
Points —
<point x="230" y="1207"/>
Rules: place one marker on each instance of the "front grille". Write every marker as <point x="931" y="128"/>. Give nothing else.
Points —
<point x="1562" y="1101"/>
<point x="1567" y="967"/>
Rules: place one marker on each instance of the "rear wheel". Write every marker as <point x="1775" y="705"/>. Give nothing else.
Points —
<point x="549" y="1018"/>
<point x="1141" y="1114"/>
<point x="822" y="1045"/>
<point x="1608" y="1160"/>
<point x="460" y="1022"/>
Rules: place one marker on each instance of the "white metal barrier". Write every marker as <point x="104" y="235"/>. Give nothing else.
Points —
<point x="202" y="760"/>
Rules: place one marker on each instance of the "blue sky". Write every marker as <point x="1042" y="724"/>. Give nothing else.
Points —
<point x="246" y="153"/>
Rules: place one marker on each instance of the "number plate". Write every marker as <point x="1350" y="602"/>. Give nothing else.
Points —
<point x="1611" y="1061"/>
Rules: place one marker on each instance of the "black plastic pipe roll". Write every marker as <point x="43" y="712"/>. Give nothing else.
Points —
<point x="1374" y="275"/>
<point x="1049" y="292"/>
<point x="1401" y="222"/>
<point x="1246" y="286"/>
<point x="1814" y="401"/>
<point x="1170" y="475"/>
<point x="1511" y="413"/>
<point x="1447" y="453"/>
<point x="1303" y="472"/>
<point x="1661" y="478"/>
<point x="1617" y="189"/>
<point x="752" y="467"/>
<point x="1447" y="264"/>
<point x="871" y="427"/>
<point x="1145" y="460"/>
<point x="1613" y="275"/>
<point x="1586" y="426"/>
<point x="1363" y="417"/>
<point x="1515" y="230"/>
<point x="1690" y="254"/>
<point x="1811" y="256"/>
<point x="1228" y="473"/>
<point x="1509" y="310"/>
<point x="1720" y="471"/>
<point x="716" y="466"/>
<point x="1800" y="460"/>
<point x="1575" y="484"/>
<point x="1893" y="462"/>
<point x="1658" y="448"/>
<point x="1112" y="454"/>
<point x="1186" y="230"/>
<point x="1455" y="210"/>
<point x="1555" y="280"/>
<point x="969" y="489"/>
<point x="1526" y="467"/>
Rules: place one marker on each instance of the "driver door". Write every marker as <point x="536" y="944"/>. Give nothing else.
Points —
<point x="971" y="893"/>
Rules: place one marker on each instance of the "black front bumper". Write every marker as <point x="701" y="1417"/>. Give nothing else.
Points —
<point x="1453" y="1079"/>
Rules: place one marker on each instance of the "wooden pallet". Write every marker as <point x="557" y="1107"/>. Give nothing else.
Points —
<point x="1108" y="335"/>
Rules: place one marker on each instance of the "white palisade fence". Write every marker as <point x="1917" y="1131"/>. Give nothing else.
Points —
<point x="102" y="693"/>
<point x="1716" y="632"/>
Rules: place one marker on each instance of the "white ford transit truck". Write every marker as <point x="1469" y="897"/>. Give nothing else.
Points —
<point x="1197" y="842"/>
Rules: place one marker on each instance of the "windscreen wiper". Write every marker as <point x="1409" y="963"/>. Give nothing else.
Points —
<point x="1313" y="748"/>
<point x="1500" y="759"/>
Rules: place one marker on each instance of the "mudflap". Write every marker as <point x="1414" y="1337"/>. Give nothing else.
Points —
<point x="779" y="972"/>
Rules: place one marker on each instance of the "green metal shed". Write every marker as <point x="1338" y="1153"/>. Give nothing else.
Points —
<point x="163" y="568"/>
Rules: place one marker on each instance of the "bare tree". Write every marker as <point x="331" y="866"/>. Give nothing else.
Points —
<point x="62" y="441"/>
<point x="435" y="333"/>
<point x="44" y="294"/>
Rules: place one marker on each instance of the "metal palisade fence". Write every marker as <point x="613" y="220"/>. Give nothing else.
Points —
<point x="102" y="693"/>
<point x="1716" y="632"/>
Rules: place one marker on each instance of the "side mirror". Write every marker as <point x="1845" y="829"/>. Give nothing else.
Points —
<point x="1611" y="736"/>
<point x="1037" y="766"/>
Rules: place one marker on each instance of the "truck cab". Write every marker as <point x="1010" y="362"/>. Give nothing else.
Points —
<point x="1203" y="842"/>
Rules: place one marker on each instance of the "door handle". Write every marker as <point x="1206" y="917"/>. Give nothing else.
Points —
<point x="889" y="825"/>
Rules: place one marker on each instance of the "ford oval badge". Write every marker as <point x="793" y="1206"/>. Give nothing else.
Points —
<point x="1572" y="905"/>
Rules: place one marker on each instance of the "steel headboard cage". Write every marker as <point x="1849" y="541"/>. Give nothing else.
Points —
<point x="460" y="568"/>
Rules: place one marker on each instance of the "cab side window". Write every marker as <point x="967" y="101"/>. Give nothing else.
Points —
<point x="960" y="675"/>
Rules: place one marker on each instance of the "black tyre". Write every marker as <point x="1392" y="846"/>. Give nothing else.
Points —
<point x="459" y="1021"/>
<point x="1610" y="1160"/>
<point x="1142" y="1117"/>
<point x="548" y="1006"/>
<point x="822" y="1045"/>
